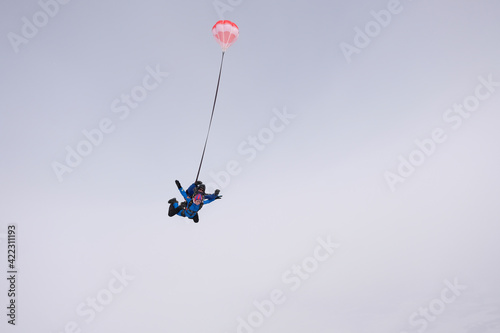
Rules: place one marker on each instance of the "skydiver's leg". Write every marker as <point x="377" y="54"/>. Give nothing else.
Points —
<point x="181" y="209"/>
<point x="172" y="210"/>
<point x="174" y="207"/>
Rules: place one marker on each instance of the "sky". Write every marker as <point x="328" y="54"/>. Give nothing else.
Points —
<point x="355" y="144"/>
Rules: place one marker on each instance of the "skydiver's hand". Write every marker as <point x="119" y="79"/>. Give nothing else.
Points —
<point x="198" y="182"/>
<point x="178" y="184"/>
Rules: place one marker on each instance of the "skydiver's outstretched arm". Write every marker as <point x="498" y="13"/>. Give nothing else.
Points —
<point x="181" y="189"/>
<point x="207" y="201"/>
<point x="213" y="196"/>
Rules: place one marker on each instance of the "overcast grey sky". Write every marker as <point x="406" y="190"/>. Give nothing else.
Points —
<point x="355" y="144"/>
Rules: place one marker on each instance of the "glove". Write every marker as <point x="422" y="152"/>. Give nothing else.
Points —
<point x="198" y="182"/>
<point x="178" y="184"/>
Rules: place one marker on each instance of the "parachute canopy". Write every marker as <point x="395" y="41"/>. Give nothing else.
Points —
<point x="226" y="33"/>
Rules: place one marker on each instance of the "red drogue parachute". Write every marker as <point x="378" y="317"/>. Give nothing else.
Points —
<point x="226" y="33"/>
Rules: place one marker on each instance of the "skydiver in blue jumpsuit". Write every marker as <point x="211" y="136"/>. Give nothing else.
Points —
<point x="193" y="203"/>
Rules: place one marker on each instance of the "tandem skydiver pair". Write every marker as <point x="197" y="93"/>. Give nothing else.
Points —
<point x="195" y="197"/>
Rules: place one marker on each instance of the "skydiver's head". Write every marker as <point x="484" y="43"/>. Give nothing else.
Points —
<point x="200" y="188"/>
<point x="198" y="198"/>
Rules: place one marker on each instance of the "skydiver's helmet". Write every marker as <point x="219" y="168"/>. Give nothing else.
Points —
<point x="198" y="197"/>
<point x="200" y="189"/>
